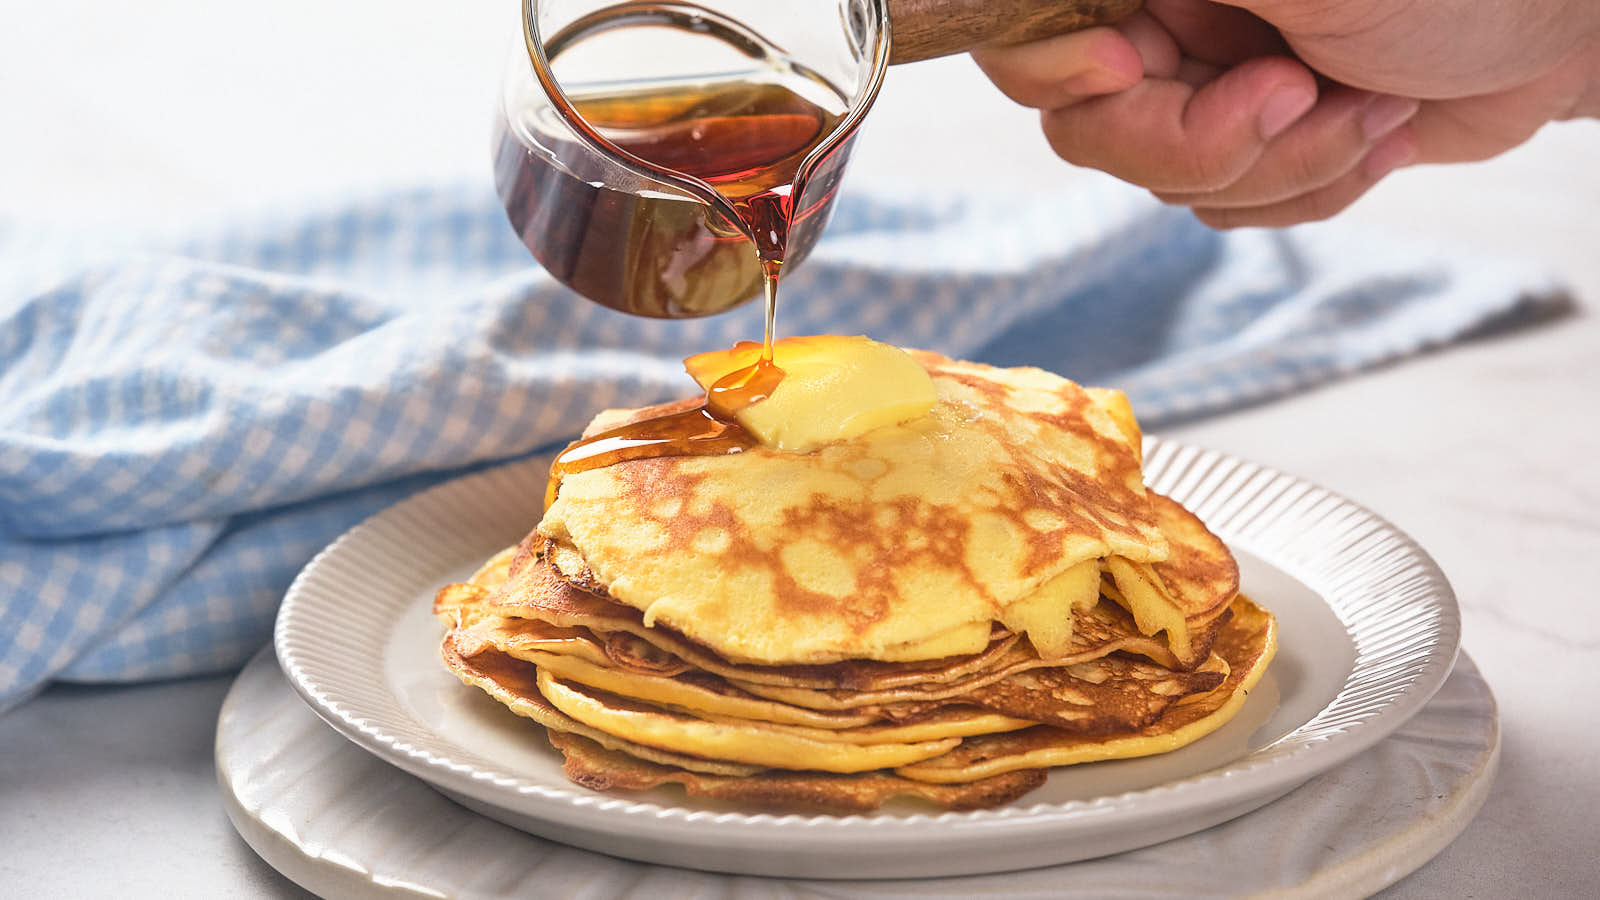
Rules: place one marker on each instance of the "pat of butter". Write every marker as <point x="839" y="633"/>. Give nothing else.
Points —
<point x="833" y="388"/>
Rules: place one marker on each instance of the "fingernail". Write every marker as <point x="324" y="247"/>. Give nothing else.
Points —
<point x="1393" y="152"/>
<point x="1387" y="113"/>
<point x="1283" y="109"/>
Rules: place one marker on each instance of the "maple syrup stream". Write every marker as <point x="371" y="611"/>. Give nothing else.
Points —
<point x="762" y="192"/>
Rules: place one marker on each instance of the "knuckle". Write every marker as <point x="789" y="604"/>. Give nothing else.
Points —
<point x="1214" y="164"/>
<point x="1207" y="172"/>
<point x="1302" y="167"/>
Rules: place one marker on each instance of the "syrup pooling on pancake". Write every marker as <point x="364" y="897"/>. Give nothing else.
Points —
<point x="937" y="604"/>
<point x="682" y="430"/>
<point x="840" y="388"/>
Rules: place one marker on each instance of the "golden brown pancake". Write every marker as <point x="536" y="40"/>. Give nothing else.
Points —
<point x="1178" y="596"/>
<point x="942" y="608"/>
<point x="698" y="692"/>
<point x="515" y="684"/>
<point x="1094" y="695"/>
<point x="1109" y="695"/>
<point x="537" y="605"/>
<point x="756" y="743"/>
<point x="906" y="543"/>
<point x="995" y="767"/>
<point x="1199" y="572"/>
<point x="536" y="591"/>
<point x="999" y="686"/>
<point x="597" y="768"/>
<point x="1189" y="590"/>
<point x="1105" y="629"/>
<point x="1247" y="643"/>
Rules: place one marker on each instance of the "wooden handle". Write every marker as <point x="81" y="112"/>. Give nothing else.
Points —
<point x="924" y="29"/>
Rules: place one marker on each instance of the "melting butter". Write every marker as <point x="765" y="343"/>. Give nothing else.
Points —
<point x="832" y="388"/>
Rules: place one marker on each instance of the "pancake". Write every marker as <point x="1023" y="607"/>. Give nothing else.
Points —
<point x="1176" y="598"/>
<point x="998" y="766"/>
<point x="1179" y="595"/>
<point x="595" y="767"/>
<point x="1096" y="694"/>
<point x="1247" y="643"/>
<point x="1103" y="630"/>
<point x="1201" y="576"/>
<point x="1109" y="695"/>
<point x="536" y="591"/>
<point x="757" y="743"/>
<point x="869" y="549"/>
<point x="942" y="604"/>
<point x="514" y="683"/>
<point x="635" y="654"/>
<point x="696" y="692"/>
<point x="562" y="611"/>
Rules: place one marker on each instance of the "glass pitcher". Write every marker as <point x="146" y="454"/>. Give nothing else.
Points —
<point x="652" y="155"/>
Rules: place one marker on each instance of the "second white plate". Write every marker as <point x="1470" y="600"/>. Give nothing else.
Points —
<point x="1369" y="631"/>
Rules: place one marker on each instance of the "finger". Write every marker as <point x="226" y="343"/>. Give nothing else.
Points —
<point x="1315" y="152"/>
<point x="1471" y="128"/>
<point x="1197" y="74"/>
<point x="1474" y="128"/>
<point x="1397" y="150"/>
<point x="1158" y="52"/>
<point x="1060" y="70"/>
<point x="1216" y="34"/>
<point x="1171" y="137"/>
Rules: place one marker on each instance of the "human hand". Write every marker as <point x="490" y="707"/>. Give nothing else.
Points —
<point x="1272" y="112"/>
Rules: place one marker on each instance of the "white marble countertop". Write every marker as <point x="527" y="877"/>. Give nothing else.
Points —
<point x="1485" y="452"/>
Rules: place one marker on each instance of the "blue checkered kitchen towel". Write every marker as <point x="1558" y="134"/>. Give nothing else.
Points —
<point x="180" y="431"/>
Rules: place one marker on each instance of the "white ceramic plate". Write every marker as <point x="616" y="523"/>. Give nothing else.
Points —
<point x="1369" y="631"/>
<point x="342" y="823"/>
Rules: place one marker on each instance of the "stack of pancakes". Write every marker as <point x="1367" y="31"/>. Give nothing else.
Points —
<point x="942" y="609"/>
